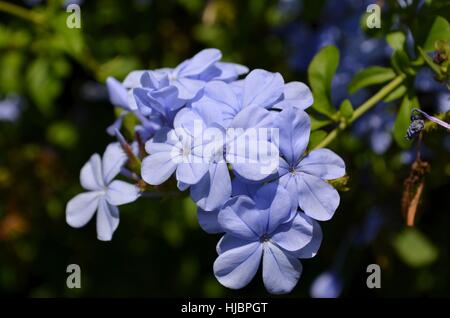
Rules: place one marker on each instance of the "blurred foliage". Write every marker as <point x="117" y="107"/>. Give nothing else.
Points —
<point x="159" y="250"/>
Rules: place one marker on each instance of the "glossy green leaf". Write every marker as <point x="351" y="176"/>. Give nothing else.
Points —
<point x="440" y="30"/>
<point x="396" y="94"/>
<point x="401" y="63"/>
<point x="320" y="74"/>
<point x="370" y="76"/>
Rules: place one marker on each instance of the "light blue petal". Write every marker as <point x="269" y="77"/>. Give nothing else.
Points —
<point x="311" y="249"/>
<point x="323" y="163"/>
<point x="214" y="189"/>
<point x="326" y="285"/>
<point x="297" y="95"/>
<point x="208" y="221"/>
<point x="252" y="158"/>
<point x="289" y="182"/>
<point x="107" y="220"/>
<point x="145" y="104"/>
<point x="158" y="167"/>
<point x="133" y="79"/>
<point x="200" y="62"/>
<point x="191" y="173"/>
<point x="236" y="267"/>
<point x="228" y="242"/>
<point x="294" y="126"/>
<point x="154" y="80"/>
<point x="281" y="271"/>
<point x="167" y="99"/>
<point x="182" y="186"/>
<point x="188" y="122"/>
<point x="163" y="141"/>
<point x="262" y="88"/>
<point x="218" y="104"/>
<point x="91" y="175"/>
<point x="240" y="218"/>
<point x="240" y="187"/>
<point x="294" y="235"/>
<point x="251" y="118"/>
<point x="113" y="160"/>
<point x="118" y="94"/>
<point x="120" y="192"/>
<point x="230" y="71"/>
<point x="81" y="208"/>
<point x="116" y="125"/>
<point x="188" y="88"/>
<point x="275" y="201"/>
<point x="317" y="198"/>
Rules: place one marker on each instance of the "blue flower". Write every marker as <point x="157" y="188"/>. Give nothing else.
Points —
<point x="327" y="285"/>
<point x="200" y="162"/>
<point x="190" y="76"/>
<point x="174" y="150"/>
<point x="258" y="229"/>
<point x="10" y="108"/>
<point x="103" y="195"/>
<point x="221" y="102"/>
<point x="303" y="174"/>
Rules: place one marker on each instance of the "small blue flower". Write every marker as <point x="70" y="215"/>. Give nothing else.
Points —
<point x="327" y="285"/>
<point x="10" y="108"/>
<point x="103" y="195"/>
<point x="174" y="150"/>
<point x="258" y="229"/>
<point x="303" y="175"/>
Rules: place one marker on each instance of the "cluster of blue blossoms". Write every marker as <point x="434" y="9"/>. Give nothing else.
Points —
<point x="239" y="146"/>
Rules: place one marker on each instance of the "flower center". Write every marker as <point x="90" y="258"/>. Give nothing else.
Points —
<point x="185" y="151"/>
<point x="293" y="171"/>
<point x="264" y="238"/>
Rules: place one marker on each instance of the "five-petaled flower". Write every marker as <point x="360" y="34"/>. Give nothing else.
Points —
<point x="103" y="195"/>
<point x="263" y="227"/>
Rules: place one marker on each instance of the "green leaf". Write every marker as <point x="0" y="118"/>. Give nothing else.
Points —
<point x="320" y="73"/>
<point x="396" y="40"/>
<point x="403" y="120"/>
<point x="396" y="93"/>
<point x="316" y="137"/>
<point x="318" y="122"/>
<point x="414" y="248"/>
<point x="346" y="109"/>
<point x="370" y="76"/>
<point x="440" y="30"/>
<point x="401" y="63"/>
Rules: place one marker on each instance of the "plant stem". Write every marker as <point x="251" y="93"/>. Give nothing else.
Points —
<point x="368" y="104"/>
<point x="21" y="12"/>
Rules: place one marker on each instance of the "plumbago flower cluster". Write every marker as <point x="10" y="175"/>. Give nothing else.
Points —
<point x="239" y="146"/>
